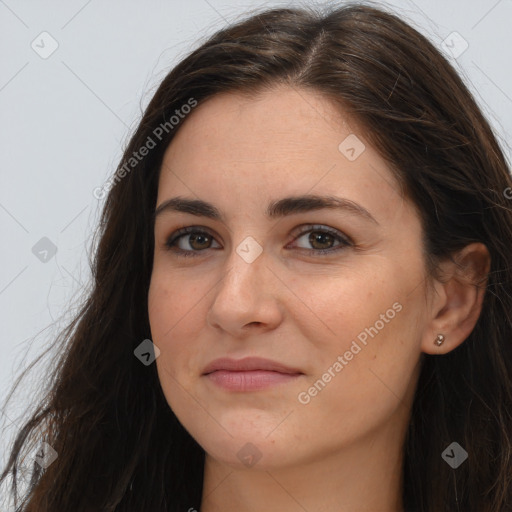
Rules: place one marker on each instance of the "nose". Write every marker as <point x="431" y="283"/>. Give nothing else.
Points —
<point x="246" y="298"/>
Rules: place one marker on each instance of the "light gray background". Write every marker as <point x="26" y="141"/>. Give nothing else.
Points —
<point x="65" y="118"/>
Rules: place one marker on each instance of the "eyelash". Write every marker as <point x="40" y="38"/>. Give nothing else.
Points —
<point x="344" y="240"/>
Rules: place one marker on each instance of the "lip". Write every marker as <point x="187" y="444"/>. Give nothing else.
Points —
<point x="248" y="364"/>
<point x="249" y="374"/>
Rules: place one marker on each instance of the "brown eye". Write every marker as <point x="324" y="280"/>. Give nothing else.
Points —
<point x="199" y="240"/>
<point x="189" y="241"/>
<point x="321" y="240"/>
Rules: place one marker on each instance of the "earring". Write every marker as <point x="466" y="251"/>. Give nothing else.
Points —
<point x="439" y="340"/>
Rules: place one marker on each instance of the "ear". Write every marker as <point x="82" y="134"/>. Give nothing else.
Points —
<point x="457" y="298"/>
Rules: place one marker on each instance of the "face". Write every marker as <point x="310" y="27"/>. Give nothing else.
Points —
<point x="331" y="294"/>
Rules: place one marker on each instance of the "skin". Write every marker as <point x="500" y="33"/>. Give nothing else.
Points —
<point x="342" y="451"/>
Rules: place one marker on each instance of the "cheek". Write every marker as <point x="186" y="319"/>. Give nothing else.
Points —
<point x="170" y="302"/>
<point x="165" y="310"/>
<point x="371" y="321"/>
<point x="341" y="307"/>
<point x="176" y="317"/>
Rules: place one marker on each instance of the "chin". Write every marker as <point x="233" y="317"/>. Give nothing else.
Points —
<point x="244" y="447"/>
<point x="243" y="454"/>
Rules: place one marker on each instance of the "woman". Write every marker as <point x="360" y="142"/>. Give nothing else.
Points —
<point x="301" y="289"/>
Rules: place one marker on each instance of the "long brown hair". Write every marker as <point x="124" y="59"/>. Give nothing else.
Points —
<point x="119" y="445"/>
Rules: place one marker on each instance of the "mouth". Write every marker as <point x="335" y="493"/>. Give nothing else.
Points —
<point x="249" y="374"/>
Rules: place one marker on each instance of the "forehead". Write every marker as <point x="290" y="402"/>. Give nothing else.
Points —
<point x="250" y="150"/>
<point x="277" y="123"/>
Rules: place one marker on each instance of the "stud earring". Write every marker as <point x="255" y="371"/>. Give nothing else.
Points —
<point x="439" y="340"/>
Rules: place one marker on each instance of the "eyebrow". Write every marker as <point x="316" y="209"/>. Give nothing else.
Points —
<point x="276" y="209"/>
